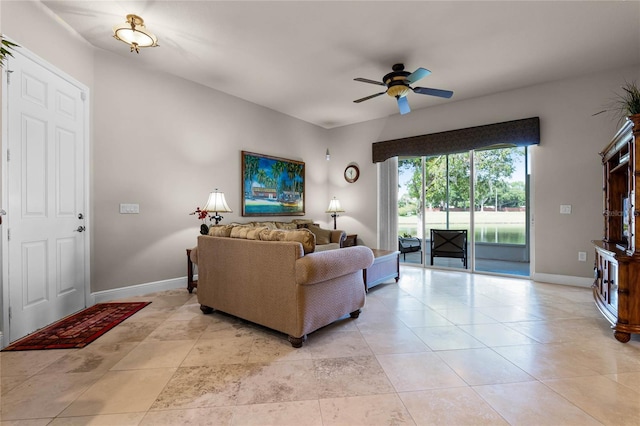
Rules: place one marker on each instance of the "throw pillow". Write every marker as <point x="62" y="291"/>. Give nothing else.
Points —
<point x="286" y="225"/>
<point x="323" y="236"/>
<point x="303" y="236"/>
<point x="302" y="223"/>
<point x="240" y="231"/>
<point x="246" y="232"/>
<point x="272" y="235"/>
<point x="269" y="225"/>
<point x="220" y="230"/>
<point x="254" y="233"/>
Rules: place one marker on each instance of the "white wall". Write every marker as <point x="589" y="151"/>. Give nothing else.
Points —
<point x="33" y="26"/>
<point x="165" y="143"/>
<point x="565" y="167"/>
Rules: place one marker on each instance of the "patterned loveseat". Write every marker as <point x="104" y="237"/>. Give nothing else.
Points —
<point x="275" y="278"/>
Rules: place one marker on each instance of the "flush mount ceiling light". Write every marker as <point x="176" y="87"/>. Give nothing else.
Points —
<point x="135" y="34"/>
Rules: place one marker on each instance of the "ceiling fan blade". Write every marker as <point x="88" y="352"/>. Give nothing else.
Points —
<point x="366" y="98"/>
<point x="417" y="75"/>
<point x="434" y="92"/>
<point x="403" y="105"/>
<point x="366" y="80"/>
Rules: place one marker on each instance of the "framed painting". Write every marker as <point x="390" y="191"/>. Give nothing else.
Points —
<point x="272" y="186"/>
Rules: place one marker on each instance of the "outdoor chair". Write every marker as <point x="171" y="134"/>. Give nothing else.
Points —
<point x="449" y="243"/>
<point x="408" y="245"/>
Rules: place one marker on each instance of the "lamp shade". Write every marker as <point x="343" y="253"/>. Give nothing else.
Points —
<point x="334" y="206"/>
<point x="216" y="203"/>
<point x="135" y="34"/>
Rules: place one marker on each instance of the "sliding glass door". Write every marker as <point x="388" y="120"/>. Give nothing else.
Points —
<point x="465" y="211"/>
<point x="501" y="211"/>
<point x="410" y="211"/>
<point x="447" y="208"/>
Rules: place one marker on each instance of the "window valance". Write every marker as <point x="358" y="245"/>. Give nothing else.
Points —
<point x="509" y="133"/>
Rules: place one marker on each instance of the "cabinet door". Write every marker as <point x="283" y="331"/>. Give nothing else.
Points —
<point x="613" y="287"/>
<point x="601" y="276"/>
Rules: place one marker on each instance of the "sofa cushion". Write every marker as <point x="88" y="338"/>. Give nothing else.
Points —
<point x="220" y="230"/>
<point x="323" y="236"/>
<point x="325" y="247"/>
<point x="303" y="236"/>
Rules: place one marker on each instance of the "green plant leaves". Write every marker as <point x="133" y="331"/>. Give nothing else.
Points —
<point x="5" y="50"/>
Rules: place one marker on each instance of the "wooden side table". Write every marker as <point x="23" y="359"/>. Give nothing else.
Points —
<point x="191" y="283"/>
<point x="350" y="241"/>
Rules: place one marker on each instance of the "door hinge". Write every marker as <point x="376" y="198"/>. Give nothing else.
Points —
<point x="83" y="96"/>
<point x="9" y="313"/>
<point x="9" y="76"/>
<point x="8" y="155"/>
<point x="9" y="234"/>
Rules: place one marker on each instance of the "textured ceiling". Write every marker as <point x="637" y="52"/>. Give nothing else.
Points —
<point x="300" y="57"/>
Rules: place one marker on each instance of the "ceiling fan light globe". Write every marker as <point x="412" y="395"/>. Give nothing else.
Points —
<point x="397" y="91"/>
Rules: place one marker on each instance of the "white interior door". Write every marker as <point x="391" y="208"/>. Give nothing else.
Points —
<point x="45" y="195"/>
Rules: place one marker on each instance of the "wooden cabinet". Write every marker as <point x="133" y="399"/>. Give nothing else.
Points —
<point x="616" y="287"/>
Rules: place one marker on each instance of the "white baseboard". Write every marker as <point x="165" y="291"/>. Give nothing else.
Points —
<point x="139" y="290"/>
<point x="563" y="280"/>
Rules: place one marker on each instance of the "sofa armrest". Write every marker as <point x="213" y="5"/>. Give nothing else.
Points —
<point x="326" y="265"/>
<point x="338" y="236"/>
<point x="193" y="255"/>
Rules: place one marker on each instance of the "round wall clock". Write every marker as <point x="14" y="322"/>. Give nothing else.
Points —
<point x="351" y="173"/>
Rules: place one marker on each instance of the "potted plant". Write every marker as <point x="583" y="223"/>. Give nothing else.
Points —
<point x="5" y="50"/>
<point x="626" y="104"/>
<point x="202" y="215"/>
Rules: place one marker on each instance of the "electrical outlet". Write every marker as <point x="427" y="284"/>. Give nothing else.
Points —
<point x="129" y="208"/>
<point x="565" y="209"/>
<point x="582" y="256"/>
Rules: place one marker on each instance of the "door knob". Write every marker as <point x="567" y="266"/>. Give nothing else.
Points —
<point x="80" y="228"/>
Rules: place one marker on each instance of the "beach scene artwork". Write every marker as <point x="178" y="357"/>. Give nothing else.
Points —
<point x="272" y="186"/>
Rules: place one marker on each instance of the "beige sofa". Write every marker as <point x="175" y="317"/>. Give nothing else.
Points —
<point x="277" y="285"/>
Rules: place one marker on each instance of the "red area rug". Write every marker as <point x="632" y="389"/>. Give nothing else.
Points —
<point x="78" y="330"/>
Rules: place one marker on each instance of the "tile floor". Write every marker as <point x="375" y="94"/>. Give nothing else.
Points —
<point x="482" y="265"/>
<point x="440" y="347"/>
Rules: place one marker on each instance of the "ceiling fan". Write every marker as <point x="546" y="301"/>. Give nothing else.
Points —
<point x="398" y="84"/>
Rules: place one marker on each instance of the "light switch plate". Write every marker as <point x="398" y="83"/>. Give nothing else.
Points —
<point x="129" y="208"/>
<point x="565" y="209"/>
